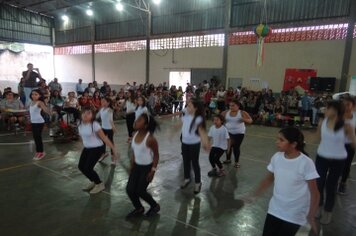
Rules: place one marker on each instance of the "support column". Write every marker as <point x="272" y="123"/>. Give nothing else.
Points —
<point x="348" y="48"/>
<point x="226" y="42"/>
<point x="93" y="50"/>
<point x="148" y="43"/>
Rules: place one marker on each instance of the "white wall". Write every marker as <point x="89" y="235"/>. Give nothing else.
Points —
<point x="324" y="56"/>
<point x="120" y="68"/>
<point x="187" y="58"/>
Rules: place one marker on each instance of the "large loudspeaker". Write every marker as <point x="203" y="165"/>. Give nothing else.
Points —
<point x="327" y="84"/>
<point x="314" y="84"/>
<point x="322" y="84"/>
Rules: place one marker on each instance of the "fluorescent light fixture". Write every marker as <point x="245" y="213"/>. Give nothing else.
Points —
<point x="119" y="6"/>
<point x="90" y="12"/>
<point x="65" y="18"/>
<point x="156" y="2"/>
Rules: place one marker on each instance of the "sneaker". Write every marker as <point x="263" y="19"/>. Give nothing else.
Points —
<point x="40" y="156"/>
<point x="103" y="156"/>
<point x="326" y="218"/>
<point x="153" y="211"/>
<point x="342" y="189"/>
<point x="237" y="165"/>
<point x="97" y="188"/>
<point x="197" y="188"/>
<point x="221" y="173"/>
<point x="212" y="173"/>
<point x="227" y="162"/>
<point x="136" y="213"/>
<point x="185" y="183"/>
<point x="89" y="187"/>
<point x="36" y="156"/>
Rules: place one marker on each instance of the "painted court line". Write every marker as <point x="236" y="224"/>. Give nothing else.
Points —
<point x="167" y="216"/>
<point x="27" y="164"/>
<point x="24" y="143"/>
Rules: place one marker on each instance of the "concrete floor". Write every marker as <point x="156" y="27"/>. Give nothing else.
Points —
<point x="45" y="198"/>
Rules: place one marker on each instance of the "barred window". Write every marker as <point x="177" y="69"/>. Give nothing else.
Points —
<point x="210" y="40"/>
<point x="308" y="33"/>
<point x="73" y="50"/>
<point x="121" y="46"/>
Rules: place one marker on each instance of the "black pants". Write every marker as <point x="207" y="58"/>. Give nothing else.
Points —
<point x="350" y="156"/>
<point x="221" y="105"/>
<point x="190" y="153"/>
<point x="110" y="134"/>
<point x="236" y="140"/>
<point x="137" y="186"/>
<point x="74" y="111"/>
<point x="37" y="135"/>
<point x="329" y="171"/>
<point x="277" y="227"/>
<point x="130" y="119"/>
<point x="87" y="162"/>
<point x="214" y="157"/>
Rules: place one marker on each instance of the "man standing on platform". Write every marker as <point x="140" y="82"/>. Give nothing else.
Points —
<point x="30" y="76"/>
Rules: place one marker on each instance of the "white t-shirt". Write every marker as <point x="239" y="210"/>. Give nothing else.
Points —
<point x="190" y="137"/>
<point x="72" y="103"/>
<point x="219" y="136"/>
<point x="106" y="116"/>
<point x="139" y="111"/>
<point x="291" y="195"/>
<point x="89" y="136"/>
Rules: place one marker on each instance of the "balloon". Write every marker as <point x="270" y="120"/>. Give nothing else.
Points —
<point x="262" y="30"/>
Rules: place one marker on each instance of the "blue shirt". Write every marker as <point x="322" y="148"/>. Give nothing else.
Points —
<point x="306" y="103"/>
<point x="79" y="88"/>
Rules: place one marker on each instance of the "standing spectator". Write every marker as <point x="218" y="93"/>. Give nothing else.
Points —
<point x="54" y="85"/>
<point x="30" y="77"/>
<point x="306" y="107"/>
<point x="21" y="91"/>
<point x="103" y="89"/>
<point x="79" y="87"/>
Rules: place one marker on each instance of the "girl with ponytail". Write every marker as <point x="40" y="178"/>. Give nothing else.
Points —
<point x="295" y="194"/>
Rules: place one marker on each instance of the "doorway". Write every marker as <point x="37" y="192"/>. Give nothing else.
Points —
<point x="179" y="78"/>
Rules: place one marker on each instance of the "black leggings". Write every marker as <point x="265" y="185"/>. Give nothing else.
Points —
<point x="190" y="153"/>
<point x="214" y="157"/>
<point x="137" y="186"/>
<point x="278" y="227"/>
<point x="74" y="111"/>
<point x="350" y="156"/>
<point x="130" y="119"/>
<point x="236" y="140"/>
<point x="329" y="171"/>
<point x="110" y="134"/>
<point x="37" y="135"/>
<point x="87" y="162"/>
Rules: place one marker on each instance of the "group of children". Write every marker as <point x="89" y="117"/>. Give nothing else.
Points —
<point x="298" y="194"/>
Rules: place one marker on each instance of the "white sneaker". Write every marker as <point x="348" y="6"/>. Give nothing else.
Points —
<point x="97" y="188"/>
<point x="326" y="218"/>
<point x="197" y="188"/>
<point x="103" y="156"/>
<point x="185" y="183"/>
<point x="89" y="187"/>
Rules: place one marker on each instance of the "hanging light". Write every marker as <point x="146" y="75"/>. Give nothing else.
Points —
<point x="90" y="12"/>
<point x="65" y="18"/>
<point x="157" y="2"/>
<point x="119" y="6"/>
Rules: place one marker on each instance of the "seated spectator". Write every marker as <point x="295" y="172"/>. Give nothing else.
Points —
<point x="9" y="107"/>
<point x="85" y="101"/>
<point x="56" y="101"/>
<point x="96" y="101"/>
<point x="71" y="106"/>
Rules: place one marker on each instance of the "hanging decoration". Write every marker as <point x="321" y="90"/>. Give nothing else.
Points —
<point x="262" y="30"/>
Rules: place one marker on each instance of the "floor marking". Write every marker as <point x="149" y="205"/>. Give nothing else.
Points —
<point x="27" y="164"/>
<point x="25" y="143"/>
<point x="109" y="194"/>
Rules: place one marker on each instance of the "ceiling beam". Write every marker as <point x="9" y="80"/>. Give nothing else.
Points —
<point x="66" y="6"/>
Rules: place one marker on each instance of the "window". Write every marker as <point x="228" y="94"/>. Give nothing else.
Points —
<point x="121" y="46"/>
<point x="320" y="32"/>
<point x="73" y="50"/>
<point x="210" y="40"/>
